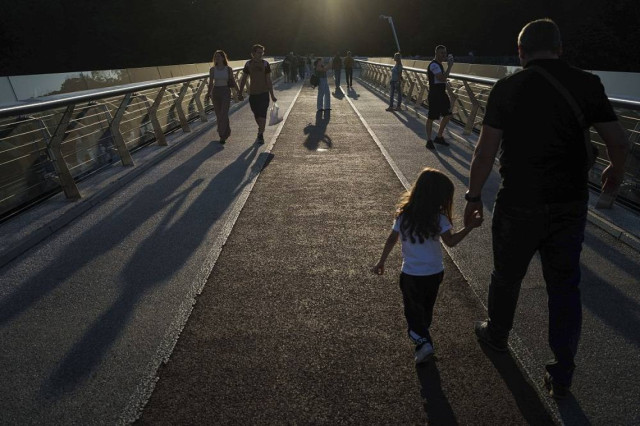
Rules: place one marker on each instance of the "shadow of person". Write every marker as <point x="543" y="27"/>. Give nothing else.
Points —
<point x="188" y="213"/>
<point x="436" y="405"/>
<point x="338" y="94"/>
<point x="524" y="393"/>
<point x="317" y="133"/>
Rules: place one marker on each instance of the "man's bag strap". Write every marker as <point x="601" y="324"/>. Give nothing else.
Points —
<point x="573" y="104"/>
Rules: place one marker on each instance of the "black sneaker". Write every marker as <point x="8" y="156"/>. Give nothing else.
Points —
<point x="484" y="336"/>
<point x="222" y="141"/>
<point x="430" y="144"/>
<point x="556" y="390"/>
<point x="260" y="139"/>
<point x="440" y="140"/>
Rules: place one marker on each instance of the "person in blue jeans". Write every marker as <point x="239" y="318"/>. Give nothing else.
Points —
<point x="396" y="82"/>
<point x="324" y="96"/>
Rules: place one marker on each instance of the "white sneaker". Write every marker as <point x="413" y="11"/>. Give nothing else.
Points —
<point x="425" y="353"/>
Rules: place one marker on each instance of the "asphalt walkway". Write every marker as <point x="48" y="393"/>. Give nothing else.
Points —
<point x="292" y="327"/>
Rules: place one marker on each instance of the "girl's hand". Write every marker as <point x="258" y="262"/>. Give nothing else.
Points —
<point x="378" y="269"/>
<point x="476" y="219"/>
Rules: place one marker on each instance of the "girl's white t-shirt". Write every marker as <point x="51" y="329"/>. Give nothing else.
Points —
<point x="422" y="259"/>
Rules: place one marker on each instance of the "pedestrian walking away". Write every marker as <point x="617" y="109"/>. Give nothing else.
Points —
<point x="348" y="70"/>
<point x="336" y="64"/>
<point x="422" y="219"/>
<point x="542" y="203"/>
<point x="260" y="88"/>
<point x="438" y="100"/>
<point x="396" y="82"/>
<point x="221" y="81"/>
<point x="324" y="96"/>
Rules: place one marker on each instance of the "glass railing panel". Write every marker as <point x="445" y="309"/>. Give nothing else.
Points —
<point x="6" y="92"/>
<point x="139" y="75"/>
<point x="109" y="78"/>
<point x="34" y="86"/>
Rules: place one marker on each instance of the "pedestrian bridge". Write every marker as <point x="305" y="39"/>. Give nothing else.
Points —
<point x="135" y="246"/>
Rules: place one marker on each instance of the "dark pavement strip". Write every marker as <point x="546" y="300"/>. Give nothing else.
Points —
<point x="292" y="327"/>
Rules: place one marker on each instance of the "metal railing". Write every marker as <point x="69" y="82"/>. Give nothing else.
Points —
<point x="48" y="145"/>
<point x="468" y="95"/>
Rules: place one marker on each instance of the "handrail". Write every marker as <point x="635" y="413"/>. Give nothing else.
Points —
<point x="469" y="93"/>
<point x="36" y="105"/>
<point x="48" y="143"/>
<point x="624" y="103"/>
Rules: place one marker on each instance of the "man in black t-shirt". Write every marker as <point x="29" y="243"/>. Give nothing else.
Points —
<point x="542" y="203"/>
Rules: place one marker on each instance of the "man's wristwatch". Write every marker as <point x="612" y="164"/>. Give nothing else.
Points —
<point x="472" y="199"/>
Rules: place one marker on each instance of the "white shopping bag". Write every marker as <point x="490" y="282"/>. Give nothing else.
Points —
<point x="274" y="114"/>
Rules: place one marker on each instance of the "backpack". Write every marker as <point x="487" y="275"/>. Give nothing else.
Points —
<point x="314" y="80"/>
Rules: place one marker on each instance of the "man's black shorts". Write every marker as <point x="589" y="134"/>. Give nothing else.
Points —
<point x="259" y="104"/>
<point x="439" y="104"/>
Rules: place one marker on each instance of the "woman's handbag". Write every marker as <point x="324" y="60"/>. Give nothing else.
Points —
<point x="314" y="80"/>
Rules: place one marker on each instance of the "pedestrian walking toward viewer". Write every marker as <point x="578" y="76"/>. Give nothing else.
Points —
<point x="337" y="69"/>
<point x="221" y="81"/>
<point x="422" y="219"/>
<point x="542" y="203"/>
<point x="324" y="96"/>
<point x="439" y="104"/>
<point x="348" y="70"/>
<point x="396" y="82"/>
<point x="259" y="89"/>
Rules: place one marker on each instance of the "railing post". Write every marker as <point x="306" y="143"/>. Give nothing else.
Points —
<point x="54" y="148"/>
<point x="468" y="128"/>
<point x="196" y="97"/>
<point x="118" y="140"/>
<point x="421" y="94"/>
<point x="153" y="117"/>
<point x="178" y="104"/>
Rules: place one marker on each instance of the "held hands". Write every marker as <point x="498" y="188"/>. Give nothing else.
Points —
<point x="240" y="97"/>
<point x="473" y="214"/>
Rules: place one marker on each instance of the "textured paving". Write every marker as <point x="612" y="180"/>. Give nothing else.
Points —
<point x="292" y="327"/>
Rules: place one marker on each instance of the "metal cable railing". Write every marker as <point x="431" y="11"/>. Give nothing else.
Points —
<point x="48" y="145"/>
<point x="469" y="93"/>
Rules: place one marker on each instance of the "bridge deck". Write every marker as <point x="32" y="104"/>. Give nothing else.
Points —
<point x="290" y="325"/>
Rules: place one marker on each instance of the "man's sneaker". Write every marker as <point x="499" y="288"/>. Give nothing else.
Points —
<point x="260" y="139"/>
<point x="556" y="390"/>
<point x="440" y="140"/>
<point x="484" y="336"/>
<point x="399" y="108"/>
<point x="430" y="144"/>
<point x="424" y="352"/>
<point x="222" y="141"/>
<point x="389" y="109"/>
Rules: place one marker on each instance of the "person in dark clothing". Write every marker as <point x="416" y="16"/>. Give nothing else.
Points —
<point x="348" y="70"/>
<point x="336" y="64"/>
<point x="438" y="100"/>
<point x="542" y="203"/>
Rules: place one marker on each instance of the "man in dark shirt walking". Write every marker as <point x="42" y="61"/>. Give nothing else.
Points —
<point x="542" y="203"/>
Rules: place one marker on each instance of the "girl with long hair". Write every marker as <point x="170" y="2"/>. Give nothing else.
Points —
<point x="423" y="218"/>
<point x="221" y="81"/>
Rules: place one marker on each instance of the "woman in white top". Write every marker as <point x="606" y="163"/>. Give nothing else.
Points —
<point x="423" y="219"/>
<point x="221" y="81"/>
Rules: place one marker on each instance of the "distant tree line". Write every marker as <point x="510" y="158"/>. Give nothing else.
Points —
<point x="38" y="36"/>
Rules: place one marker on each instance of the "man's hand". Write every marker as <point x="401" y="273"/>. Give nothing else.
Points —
<point x="611" y="179"/>
<point x="473" y="214"/>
